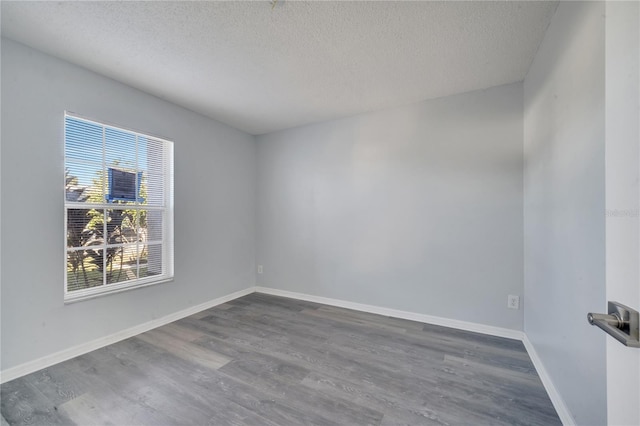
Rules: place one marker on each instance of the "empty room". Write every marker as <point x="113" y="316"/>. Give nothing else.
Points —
<point x="288" y="212"/>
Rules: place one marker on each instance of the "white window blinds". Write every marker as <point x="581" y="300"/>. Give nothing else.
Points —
<point x="118" y="208"/>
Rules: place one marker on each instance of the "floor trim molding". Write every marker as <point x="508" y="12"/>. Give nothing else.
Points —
<point x="66" y="354"/>
<point x="556" y="399"/>
<point x="428" y="319"/>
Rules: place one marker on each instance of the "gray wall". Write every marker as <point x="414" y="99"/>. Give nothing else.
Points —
<point x="564" y="203"/>
<point x="416" y="208"/>
<point x="214" y="205"/>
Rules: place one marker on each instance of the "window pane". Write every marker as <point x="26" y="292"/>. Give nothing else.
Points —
<point x="153" y="163"/>
<point x="150" y="260"/>
<point x="84" y="269"/>
<point x="130" y="230"/>
<point x="84" y="227"/>
<point x="151" y="225"/>
<point x="152" y="189"/>
<point x="121" y="226"/>
<point x="122" y="263"/>
<point x="83" y="140"/>
<point x="83" y="182"/>
<point x="151" y="155"/>
<point x="120" y="149"/>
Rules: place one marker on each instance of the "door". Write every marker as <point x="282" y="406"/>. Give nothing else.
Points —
<point x="622" y="165"/>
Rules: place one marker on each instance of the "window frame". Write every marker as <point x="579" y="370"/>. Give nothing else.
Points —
<point x="167" y="210"/>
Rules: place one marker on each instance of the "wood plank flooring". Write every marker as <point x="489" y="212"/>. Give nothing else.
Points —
<point x="266" y="360"/>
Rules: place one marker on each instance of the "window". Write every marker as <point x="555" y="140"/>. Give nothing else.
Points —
<point x="118" y="208"/>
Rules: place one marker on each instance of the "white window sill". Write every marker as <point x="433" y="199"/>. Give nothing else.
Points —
<point x="80" y="295"/>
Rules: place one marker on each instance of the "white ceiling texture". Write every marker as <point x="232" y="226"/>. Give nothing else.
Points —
<point x="262" y="67"/>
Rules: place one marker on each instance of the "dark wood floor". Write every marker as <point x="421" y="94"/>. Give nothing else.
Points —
<point x="265" y="360"/>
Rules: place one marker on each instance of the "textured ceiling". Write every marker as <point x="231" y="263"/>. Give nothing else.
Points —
<point x="262" y="69"/>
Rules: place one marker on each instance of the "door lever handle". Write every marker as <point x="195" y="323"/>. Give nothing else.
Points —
<point x="614" y="320"/>
<point x="621" y="322"/>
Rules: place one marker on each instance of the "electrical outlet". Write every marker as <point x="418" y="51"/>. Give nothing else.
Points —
<point x="259" y="269"/>
<point x="513" y="302"/>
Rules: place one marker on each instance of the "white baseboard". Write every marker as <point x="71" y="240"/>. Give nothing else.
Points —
<point x="428" y="319"/>
<point x="554" y="395"/>
<point x="66" y="354"/>
<point x="556" y="399"/>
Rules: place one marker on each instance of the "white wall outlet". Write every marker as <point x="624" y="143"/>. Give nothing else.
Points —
<point x="513" y="302"/>
<point x="259" y="269"/>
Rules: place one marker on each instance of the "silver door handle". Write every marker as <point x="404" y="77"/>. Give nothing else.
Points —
<point x="621" y="322"/>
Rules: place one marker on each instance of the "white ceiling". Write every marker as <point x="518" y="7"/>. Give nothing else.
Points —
<point x="262" y="69"/>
